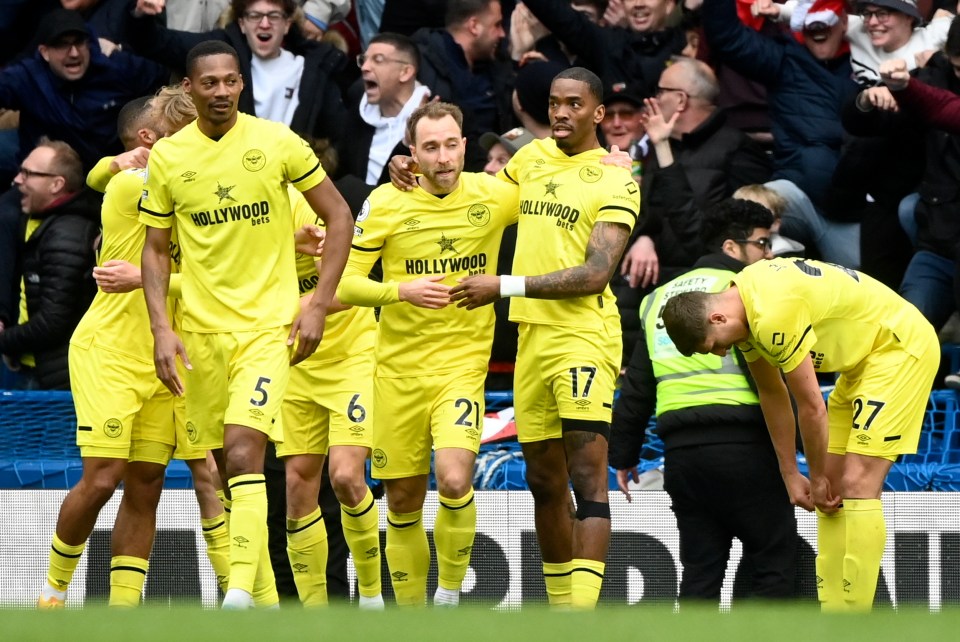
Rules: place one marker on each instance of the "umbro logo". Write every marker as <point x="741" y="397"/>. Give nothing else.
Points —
<point x="399" y="576"/>
<point x="241" y="541"/>
<point x="583" y="403"/>
<point x="372" y="552"/>
<point x="863" y="438"/>
<point x="299" y="567"/>
<point x="411" y="223"/>
<point x="188" y="176"/>
<point x="465" y="551"/>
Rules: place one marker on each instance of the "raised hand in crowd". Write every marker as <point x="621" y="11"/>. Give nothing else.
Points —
<point x="615" y="15"/>
<point x="877" y="98"/>
<point x="894" y="74"/>
<point x="149" y="7"/>
<point x="525" y="30"/>
<point x="766" y="8"/>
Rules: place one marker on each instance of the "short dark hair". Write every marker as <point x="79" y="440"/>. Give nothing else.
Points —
<point x="433" y="111"/>
<point x="66" y="163"/>
<point x="732" y="218"/>
<point x="587" y="77"/>
<point x="459" y="11"/>
<point x="209" y="48"/>
<point x="403" y="44"/>
<point x="132" y="117"/>
<point x="685" y="318"/>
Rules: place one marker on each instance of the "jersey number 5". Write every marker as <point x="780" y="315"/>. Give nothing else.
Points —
<point x="261" y="391"/>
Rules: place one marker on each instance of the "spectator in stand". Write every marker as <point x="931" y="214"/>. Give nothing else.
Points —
<point x="779" y="245"/>
<point x="67" y="90"/>
<point x="936" y="266"/>
<point x="622" y="125"/>
<point x="530" y="39"/>
<point x="288" y="78"/>
<point x="635" y="54"/>
<point x="697" y="162"/>
<point x="807" y="84"/>
<point x="720" y="466"/>
<point x="379" y="105"/>
<point x="460" y="65"/>
<point x="57" y="231"/>
<point x="531" y="95"/>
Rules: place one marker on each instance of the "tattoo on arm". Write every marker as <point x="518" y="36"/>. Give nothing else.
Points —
<point x="604" y="249"/>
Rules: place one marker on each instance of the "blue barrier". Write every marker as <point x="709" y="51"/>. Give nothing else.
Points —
<point x="39" y="447"/>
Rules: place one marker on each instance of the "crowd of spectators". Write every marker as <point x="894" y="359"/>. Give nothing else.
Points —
<point x="706" y="96"/>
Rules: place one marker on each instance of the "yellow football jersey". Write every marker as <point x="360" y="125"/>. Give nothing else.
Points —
<point x="119" y="322"/>
<point x="228" y="200"/>
<point x="561" y="198"/>
<point x="346" y="333"/>
<point x="836" y="315"/>
<point x="418" y="234"/>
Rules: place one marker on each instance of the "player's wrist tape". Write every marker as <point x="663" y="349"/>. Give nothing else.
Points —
<point x="512" y="286"/>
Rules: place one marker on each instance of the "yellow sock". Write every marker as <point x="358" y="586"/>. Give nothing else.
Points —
<point x="361" y="529"/>
<point x="227" y="505"/>
<point x="585" y="581"/>
<point x="248" y="529"/>
<point x="408" y="557"/>
<point x="265" y="592"/>
<point x="831" y="545"/>
<point x="865" y="541"/>
<point x="63" y="562"/>
<point x="453" y="535"/>
<point x="127" y="575"/>
<point x="217" y="535"/>
<point x="557" y="578"/>
<point x="307" y="550"/>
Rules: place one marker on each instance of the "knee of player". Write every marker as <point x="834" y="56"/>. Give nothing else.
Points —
<point x="349" y="486"/>
<point x="455" y="484"/>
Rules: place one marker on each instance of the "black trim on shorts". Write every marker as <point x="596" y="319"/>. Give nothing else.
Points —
<point x="895" y="438"/>
<point x="584" y="425"/>
<point x="84" y="428"/>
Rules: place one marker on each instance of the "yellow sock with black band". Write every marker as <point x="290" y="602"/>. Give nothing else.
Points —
<point x="127" y="576"/>
<point x="307" y="550"/>
<point x="556" y="576"/>
<point x="248" y="529"/>
<point x="866" y="537"/>
<point x="361" y="530"/>
<point x="265" y="594"/>
<point x="408" y="557"/>
<point x="453" y="534"/>
<point x="216" y="534"/>
<point x="831" y="547"/>
<point x="63" y="563"/>
<point x="586" y="580"/>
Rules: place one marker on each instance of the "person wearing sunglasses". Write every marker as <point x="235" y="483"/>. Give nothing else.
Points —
<point x="720" y="469"/>
<point x="58" y="224"/>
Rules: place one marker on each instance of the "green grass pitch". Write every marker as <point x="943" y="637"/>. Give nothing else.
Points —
<point x="767" y="622"/>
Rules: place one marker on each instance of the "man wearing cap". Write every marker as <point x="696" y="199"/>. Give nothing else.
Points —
<point x="67" y="90"/>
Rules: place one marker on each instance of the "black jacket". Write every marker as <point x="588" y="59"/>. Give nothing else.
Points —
<point x="319" y="114"/>
<point x="710" y="164"/>
<point x="354" y="151"/>
<point x="57" y="268"/>
<point x="440" y="73"/>
<point x="710" y="424"/>
<point x="615" y="54"/>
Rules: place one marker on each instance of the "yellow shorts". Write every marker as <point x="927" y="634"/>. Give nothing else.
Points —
<point x="417" y="413"/>
<point x="123" y="410"/>
<point x="185" y="450"/>
<point x="564" y="376"/>
<point x="328" y="404"/>
<point x="878" y="408"/>
<point x="237" y="378"/>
